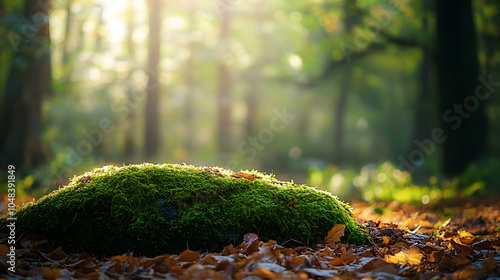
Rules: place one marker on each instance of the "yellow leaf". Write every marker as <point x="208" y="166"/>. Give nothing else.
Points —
<point x="335" y="234"/>
<point x="411" y="257"/>
<point x="385" y="240"/>
<point x="466" y="237"/>
<point x="51" y="272"/>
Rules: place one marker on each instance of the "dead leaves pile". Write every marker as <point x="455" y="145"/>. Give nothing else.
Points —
<point x="406" y="245"/>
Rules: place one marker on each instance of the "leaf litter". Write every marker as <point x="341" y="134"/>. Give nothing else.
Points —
<point x="461" y="242"/>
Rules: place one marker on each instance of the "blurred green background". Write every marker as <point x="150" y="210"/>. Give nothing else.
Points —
<point x="372" y="100"/>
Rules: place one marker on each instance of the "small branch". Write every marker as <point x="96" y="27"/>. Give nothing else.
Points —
<point x="334" y="65"/>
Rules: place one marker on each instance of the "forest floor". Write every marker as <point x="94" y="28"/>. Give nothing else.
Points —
<point x="457" y="240"/>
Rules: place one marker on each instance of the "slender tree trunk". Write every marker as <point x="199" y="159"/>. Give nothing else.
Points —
<point x="423" y="107"/>
<point x="341" y="101"/>
<point x="190" y="69"/>
<point x="25" y="90"/>
<point x="67" y="33"/>
<point x="339" y="113"/>
<point x="251" y="100"/>
<point x="152" y="138"/>
<point x="129" y="119"/>
<point x="457" y="65"/>
<point x="224" y="98"/>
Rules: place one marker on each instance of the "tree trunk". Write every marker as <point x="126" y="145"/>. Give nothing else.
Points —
<point x="463" y="122"/>
<point x="190" y="69"/>
<point x="255" y="72"/>
<point x="424" y="120"/>
<point x="224" y="98"/>
<point x="26" y="88"/>
<point x="67" y="34"/>
<point x="129" y="145"/>
<point x="341" y="101"/>
<point x="152" y="124"/>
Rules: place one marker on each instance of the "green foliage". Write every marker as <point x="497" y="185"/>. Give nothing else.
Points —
<point x="387" y="183"/>
<point x="153" y="209"/>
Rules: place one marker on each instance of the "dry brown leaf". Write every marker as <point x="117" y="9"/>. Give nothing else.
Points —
<point x="379" y="265"/>
<point x="252" y="248"/>
<point x="336" y="261"/>
<point x="326" y="252"/>
<point x="150" y="262"/>
<point x="51" y="272"/>
<point x="228" y="250"/>
<point x="222" y="265"/>
<point x="244" y="175"/>
<point x="464" y="250"/>
<point x="266" y="274"/>
<point x="335" y="234"/>
<point x="188" y="256"/>
<point x="89" y="276"/>
<point x="121" y="258"/>
<point x="4" y="250"/>
<point x="209" y="260"/>
<point x="57" y="254"/>
<point x="436" y="256"/>
<point x="300" y="249"/>
<point x="411" y="257"/>
<point x="298" y="261"/>
<point x="250" y="237"/>
<point x="348" y="258"/>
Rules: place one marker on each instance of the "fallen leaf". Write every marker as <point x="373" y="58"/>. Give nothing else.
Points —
<point x="379" y="265"/>
<point x="464" y="250"/>
<point x="57" y="254"/>
<point x="335" y="234"/>
<point x="411" y="257"/>
<point x="51" y="272"/>
<point x="348" y="258"/>
<point x="244" y="175"/>
<point x="209" y="260"/>
<point x="228" y="250"/>
<point x="188" y="256"/>
<point x="466" y="237"/>
<point x="4" y="250"/>
<point x="252" y="248"/>
<point x="321" y="273"/>
<point x="266" y="274"/>
<point x="250" y="237"/>
<point x="385" y="240"/>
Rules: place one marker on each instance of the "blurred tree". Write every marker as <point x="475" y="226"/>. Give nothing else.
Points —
<point x="490" y="33"/>
<point x="28" y="83"/>
<point x="255" y="75"/>
<point x="190" y="86"/>
<point x="351" y="13"/>
<point x="462" y="115"/>
<point x="424" y="112"/>
<point x="152" y="137"/>
<point x="224" y="84"/>
<point x="130" y="49"/>
<point x="67" y="33"/>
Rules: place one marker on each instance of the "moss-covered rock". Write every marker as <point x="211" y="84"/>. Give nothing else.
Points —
<point x="154" y="209"/>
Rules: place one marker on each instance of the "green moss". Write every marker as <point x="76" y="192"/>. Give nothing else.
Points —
<point x="153" y="209"/>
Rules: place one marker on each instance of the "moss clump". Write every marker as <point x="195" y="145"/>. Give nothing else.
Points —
<point x="154" y="209"/>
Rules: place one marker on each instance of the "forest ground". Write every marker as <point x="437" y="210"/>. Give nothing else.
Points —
<point x="455" y="240"/>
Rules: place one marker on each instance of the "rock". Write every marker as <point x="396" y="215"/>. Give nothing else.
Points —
<point x="155" y="209"/>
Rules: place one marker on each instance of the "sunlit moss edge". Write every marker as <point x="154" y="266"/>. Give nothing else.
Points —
<point x="153" y="209"/>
